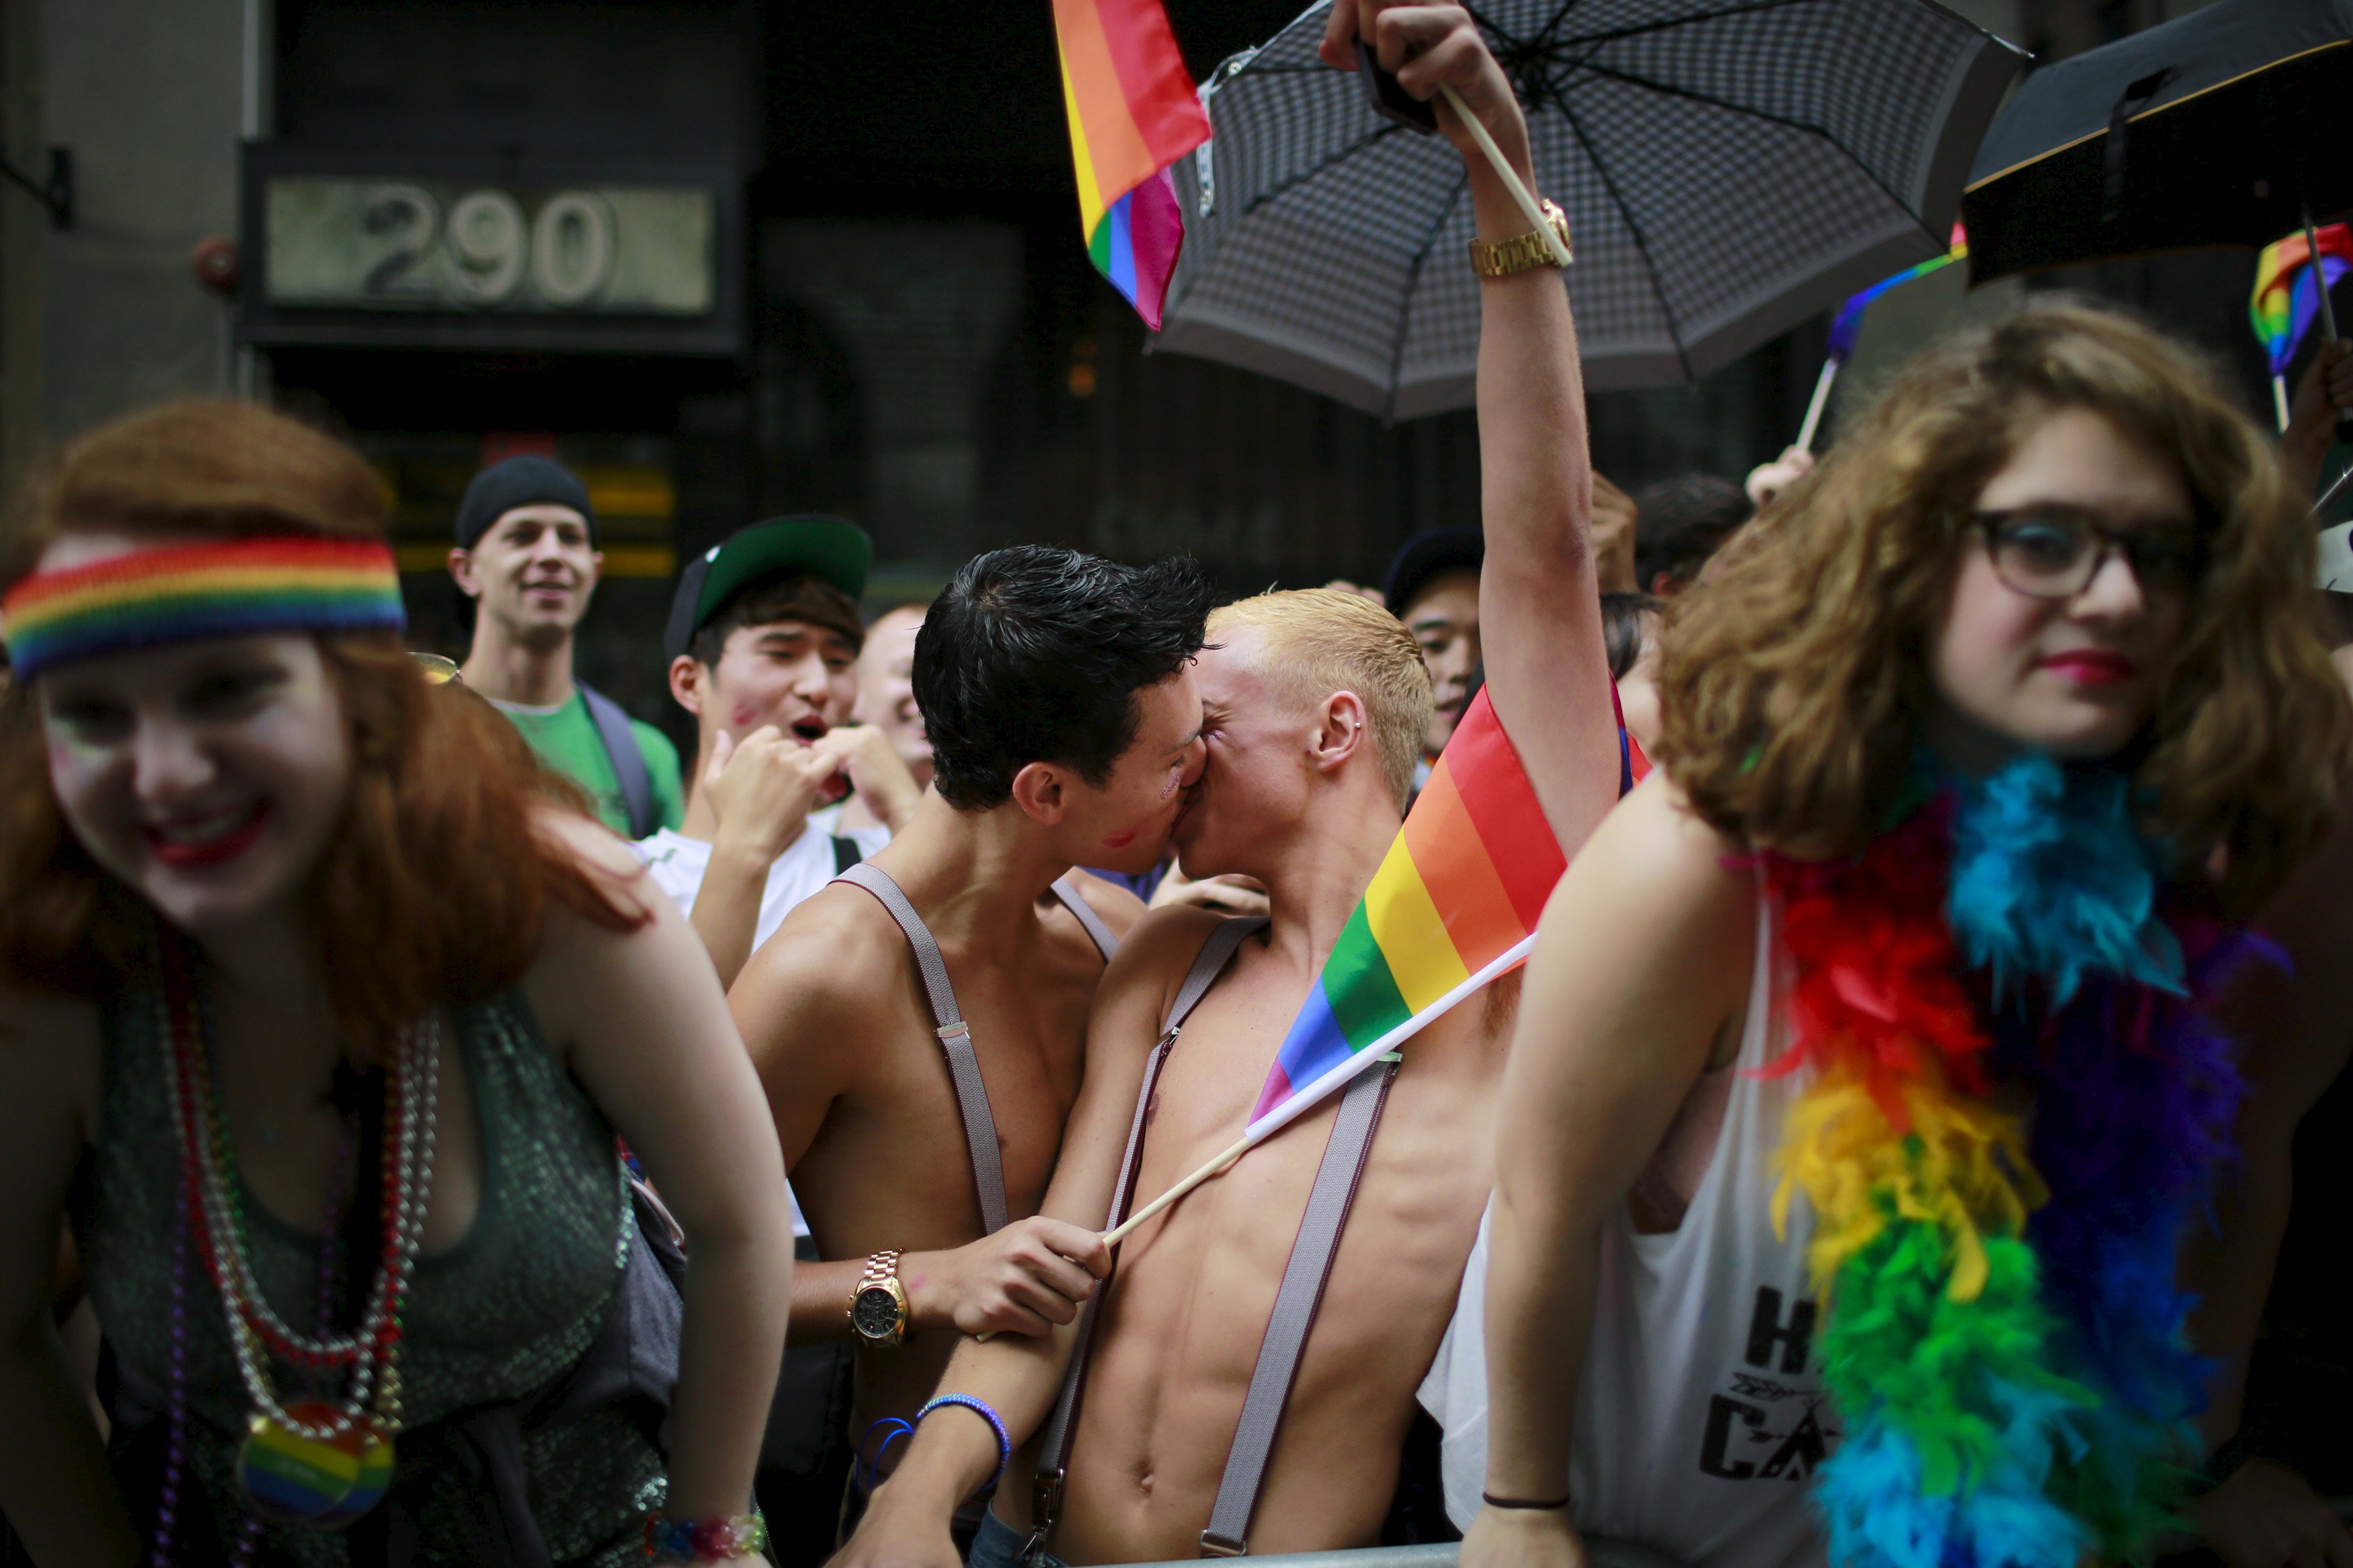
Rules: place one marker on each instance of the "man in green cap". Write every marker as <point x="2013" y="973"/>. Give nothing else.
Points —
<point x="763" y="640"/>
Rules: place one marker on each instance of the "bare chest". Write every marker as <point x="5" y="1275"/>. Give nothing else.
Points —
<point x="892" y="1164"/>
<point x="1188" y="1312"/>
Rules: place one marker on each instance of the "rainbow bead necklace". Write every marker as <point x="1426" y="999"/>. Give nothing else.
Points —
<point x="304" y="1462"/>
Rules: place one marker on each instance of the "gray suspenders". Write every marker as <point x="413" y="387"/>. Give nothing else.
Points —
<point x="956" y="1034"/>
<point x="1295" y="1302"/>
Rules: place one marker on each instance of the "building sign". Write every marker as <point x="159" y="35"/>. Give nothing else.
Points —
<point x="444" y="244"/>
<point x="538" y="255"/>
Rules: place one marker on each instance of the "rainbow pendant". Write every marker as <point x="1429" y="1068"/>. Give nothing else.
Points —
<point x="293" y="1479"/>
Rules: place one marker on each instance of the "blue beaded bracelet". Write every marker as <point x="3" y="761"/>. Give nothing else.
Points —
<point x="981" y="1408"/>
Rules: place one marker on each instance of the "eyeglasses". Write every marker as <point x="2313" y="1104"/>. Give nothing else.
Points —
<point x="2053" y="553"/>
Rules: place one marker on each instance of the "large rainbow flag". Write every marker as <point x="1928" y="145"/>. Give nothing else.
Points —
<point x="1133" y="112"/>
<point x="1453" y="905"/>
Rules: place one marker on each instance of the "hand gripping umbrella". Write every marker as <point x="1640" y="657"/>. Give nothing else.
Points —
<point x="1729" y="167"/>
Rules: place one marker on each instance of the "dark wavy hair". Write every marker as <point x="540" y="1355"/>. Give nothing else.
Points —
<point x="1791" y="687"/>
<point x="1036" y="654"/>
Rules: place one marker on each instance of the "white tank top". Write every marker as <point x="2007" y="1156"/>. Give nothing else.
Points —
<point x="1701" y="1414"/>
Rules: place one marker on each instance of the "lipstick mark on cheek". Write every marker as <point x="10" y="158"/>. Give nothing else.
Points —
<point x="742" y="716"/>
<point x="1121" y="839"/>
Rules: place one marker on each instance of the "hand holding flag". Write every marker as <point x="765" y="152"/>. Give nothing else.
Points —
<point x="2288" y="298"/>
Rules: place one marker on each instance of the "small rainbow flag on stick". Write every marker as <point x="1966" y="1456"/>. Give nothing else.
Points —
<point x="2285" y="302"/>
<point x="1133" y="112"/>
<point x="1846" y="327"/>
<point x="1453" y="906"/>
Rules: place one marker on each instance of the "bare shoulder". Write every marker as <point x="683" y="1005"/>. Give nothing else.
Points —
<point x="1151" y="961"/>
<point x="837" y="957"/>
<point x="1653" y="849"/>
<point x="1120" y="909"/>
<point x="611" y="867"/>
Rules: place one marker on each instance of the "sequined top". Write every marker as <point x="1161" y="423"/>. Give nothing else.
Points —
<point x="498" y="1316"/>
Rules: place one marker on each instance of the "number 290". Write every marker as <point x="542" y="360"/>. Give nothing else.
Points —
<point x="567" y="250"/>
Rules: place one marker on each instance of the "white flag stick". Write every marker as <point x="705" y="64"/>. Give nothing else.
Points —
<point x="1814" y="409"/>
<point x="1511" y="178"/>
<point x="1321" y="1087"/>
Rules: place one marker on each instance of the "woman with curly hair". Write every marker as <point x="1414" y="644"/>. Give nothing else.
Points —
<point x="320" y="1007"/>
<point x="1857" y="1101"/>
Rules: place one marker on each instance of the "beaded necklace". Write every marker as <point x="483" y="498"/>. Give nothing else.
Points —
<point x="310" y="1461"/>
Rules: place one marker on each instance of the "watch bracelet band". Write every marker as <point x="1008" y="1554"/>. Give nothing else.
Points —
<point x="881" y="1266"/>
<point x="1523" y="252"/>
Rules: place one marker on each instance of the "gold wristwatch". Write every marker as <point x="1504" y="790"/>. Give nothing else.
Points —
<point x="878" y="1308"/>
<point x="1522" y="252"/>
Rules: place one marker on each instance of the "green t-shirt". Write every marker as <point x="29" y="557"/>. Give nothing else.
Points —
<point x="566" y="741"/>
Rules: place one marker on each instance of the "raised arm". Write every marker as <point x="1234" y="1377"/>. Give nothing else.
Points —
<point x="1639" y="970"/>
<point x="55" y="1487"/>
<point x="1539" y="605"/>
<point x="641" y="1021"/>
<point x="955" y="1453"/>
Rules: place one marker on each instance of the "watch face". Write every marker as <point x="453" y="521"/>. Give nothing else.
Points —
<point x="874" y="1313"/>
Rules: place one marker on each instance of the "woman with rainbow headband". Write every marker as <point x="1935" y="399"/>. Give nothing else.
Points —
<point x="1858" y="1100"/>
<point x="319" y="1007"/>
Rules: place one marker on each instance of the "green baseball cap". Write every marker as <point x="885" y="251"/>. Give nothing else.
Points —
<point x="825" y="547"/>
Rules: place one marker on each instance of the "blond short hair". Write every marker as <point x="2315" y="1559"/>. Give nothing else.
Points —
<point x="1321" y="640"/>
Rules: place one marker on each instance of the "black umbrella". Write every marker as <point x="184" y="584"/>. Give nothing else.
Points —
<point x="2225" y="128"/>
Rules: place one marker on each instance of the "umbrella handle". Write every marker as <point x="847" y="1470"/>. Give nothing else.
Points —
<point x="1510" y="176"/>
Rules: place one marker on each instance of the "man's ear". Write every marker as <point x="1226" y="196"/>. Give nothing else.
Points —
<point x="1040" y="790"/>
<point x="686" y="683"/>
<point x="462" y="571"/>
<point x="1341" y="730"/>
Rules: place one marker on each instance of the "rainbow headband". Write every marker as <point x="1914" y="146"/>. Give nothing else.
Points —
<point x="233" y="588"/>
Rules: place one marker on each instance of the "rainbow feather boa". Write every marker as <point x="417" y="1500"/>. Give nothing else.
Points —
<point x="2005" y="1341"/>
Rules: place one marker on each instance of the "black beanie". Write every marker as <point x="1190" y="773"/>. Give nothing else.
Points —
<point x="518" y="481"/>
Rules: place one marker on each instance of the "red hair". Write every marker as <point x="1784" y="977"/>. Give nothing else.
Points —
<point x="435" y="887"/>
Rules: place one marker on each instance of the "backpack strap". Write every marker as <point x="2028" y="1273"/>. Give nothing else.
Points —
<point x="627" y="758"/>
<point x="1053" y="1450"/>
<point x="955" y="1042"/>
<point x="1075" y="901"/>
<point x="846" y="854"/>
<point x="1295" y="1305"/>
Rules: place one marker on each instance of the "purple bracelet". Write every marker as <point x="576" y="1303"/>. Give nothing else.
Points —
<point x="980" y="1407"/>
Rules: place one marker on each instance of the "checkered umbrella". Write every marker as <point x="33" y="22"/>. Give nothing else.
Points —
<point x="1729" y="168"/>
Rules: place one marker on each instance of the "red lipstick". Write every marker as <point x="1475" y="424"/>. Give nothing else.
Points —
<point x="182" y="857"/>
<point x="2091" y="667"/>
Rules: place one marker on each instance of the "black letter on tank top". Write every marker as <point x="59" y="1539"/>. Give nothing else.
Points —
<point x="1720" y="1412"/>
<point x="1765" y="1328"/>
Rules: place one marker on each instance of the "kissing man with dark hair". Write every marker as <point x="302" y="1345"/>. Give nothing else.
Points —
<point x="1065" y="726"/>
